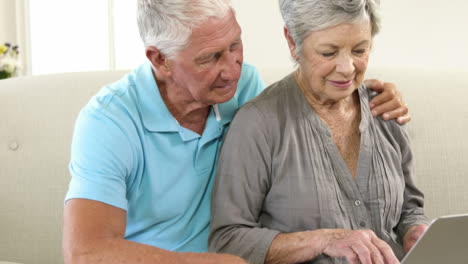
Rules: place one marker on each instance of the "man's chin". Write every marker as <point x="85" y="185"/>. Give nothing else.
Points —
<point x="223" y="99"/>
<point x="224" y="94"/>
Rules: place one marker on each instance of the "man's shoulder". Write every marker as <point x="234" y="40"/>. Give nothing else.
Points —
<point x="110" y="99"/>
<point x="248" y="68"/>
<point x="250" y="74"/>
<point x="117" y="96"/>
<point x="249" y="85"/>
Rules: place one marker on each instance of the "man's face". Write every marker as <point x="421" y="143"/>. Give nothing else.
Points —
<point x="207" y="71"/>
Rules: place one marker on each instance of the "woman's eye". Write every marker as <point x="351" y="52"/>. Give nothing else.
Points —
<point x="360" y="52"/>
<point x="328" y="54"/>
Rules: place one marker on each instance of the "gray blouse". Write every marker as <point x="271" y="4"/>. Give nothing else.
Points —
<point x="279" y="171"/>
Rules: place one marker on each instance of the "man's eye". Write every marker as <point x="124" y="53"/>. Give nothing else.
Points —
<point x="207" y="59"/>
<point x="235" y="45"/>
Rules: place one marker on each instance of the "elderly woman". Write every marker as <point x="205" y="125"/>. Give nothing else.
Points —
<point x="306" y="173"/>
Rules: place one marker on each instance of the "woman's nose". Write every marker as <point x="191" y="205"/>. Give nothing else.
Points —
<point x="345" y="65"/>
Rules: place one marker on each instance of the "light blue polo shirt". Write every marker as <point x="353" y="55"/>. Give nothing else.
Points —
<point x="128" y="151"/>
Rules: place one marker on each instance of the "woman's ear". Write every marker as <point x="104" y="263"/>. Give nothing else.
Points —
<point x="291" y="43"/>
<point x="159" y="61"/>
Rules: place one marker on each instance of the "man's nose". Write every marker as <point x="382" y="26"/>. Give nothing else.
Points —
<point x="231" y="66"/>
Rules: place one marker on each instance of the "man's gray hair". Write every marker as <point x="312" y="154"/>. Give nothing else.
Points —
<point x="301" y="17"/>
<point x="168" y="24"/>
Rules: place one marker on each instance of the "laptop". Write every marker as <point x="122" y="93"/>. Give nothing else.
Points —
<point x="445" y="242"/>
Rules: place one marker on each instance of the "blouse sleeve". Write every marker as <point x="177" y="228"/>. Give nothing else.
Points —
<point x="412" y="212"/>
<point x="242" y="182"/>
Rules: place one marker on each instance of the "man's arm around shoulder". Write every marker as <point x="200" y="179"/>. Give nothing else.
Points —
<point x="94" y="233"/>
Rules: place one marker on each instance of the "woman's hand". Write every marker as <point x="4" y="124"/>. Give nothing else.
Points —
<point x="358" y="246"/>
<point x="388" y="102"/>
<point x="412" y="235"/>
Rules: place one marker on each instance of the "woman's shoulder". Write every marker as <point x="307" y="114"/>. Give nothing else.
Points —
<point x="393" y="133"/>
<point x="275" y="98"/>
<point x="366" y="95"/>
<point x="271" y="109"/>
<point x="389" y="130"/>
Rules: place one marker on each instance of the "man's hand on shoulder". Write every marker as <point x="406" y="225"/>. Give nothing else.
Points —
<point x="388" y="103"/>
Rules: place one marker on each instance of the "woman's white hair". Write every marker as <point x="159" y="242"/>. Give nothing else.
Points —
<point x="301" y="17"/>
<point x="168" y="24"/>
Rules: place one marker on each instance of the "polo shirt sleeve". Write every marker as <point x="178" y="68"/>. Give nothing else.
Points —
<point x="250" y="84"/>
<point x="101" y="158"/>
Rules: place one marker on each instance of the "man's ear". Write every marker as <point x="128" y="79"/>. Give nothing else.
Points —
<point x="291" y="43"/>
<point x="158" y="60"/>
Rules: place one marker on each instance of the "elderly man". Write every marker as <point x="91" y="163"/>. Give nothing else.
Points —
<point x="145" y="148"/>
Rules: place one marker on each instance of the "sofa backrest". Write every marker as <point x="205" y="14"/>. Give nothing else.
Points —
<point x="37" y="116"/>
<point x="437" y="102"/>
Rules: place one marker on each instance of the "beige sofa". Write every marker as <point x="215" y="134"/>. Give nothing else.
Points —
<point x="37" y="116"/>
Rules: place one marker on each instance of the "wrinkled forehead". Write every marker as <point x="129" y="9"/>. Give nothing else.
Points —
<point x="216" y="31"/>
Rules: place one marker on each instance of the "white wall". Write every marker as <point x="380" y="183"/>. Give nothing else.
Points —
<point x="262" y="34"/>
<point x="423" y="34"/>
<point x="13" y="29"/>
<point x="7" y="21"/>
<point x="415" y="34"/>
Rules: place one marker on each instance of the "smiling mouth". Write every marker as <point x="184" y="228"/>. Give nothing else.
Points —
<point x="342" y="84"/>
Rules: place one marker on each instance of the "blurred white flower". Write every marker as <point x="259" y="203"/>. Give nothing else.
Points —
<point x="9" y="62"/>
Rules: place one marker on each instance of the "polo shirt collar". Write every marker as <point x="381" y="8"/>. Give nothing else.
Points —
<point x="227" y="110"/>
<point x="155" y="114"/>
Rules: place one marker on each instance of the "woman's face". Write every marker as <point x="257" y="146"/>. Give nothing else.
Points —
<point x="334" y="61"/>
